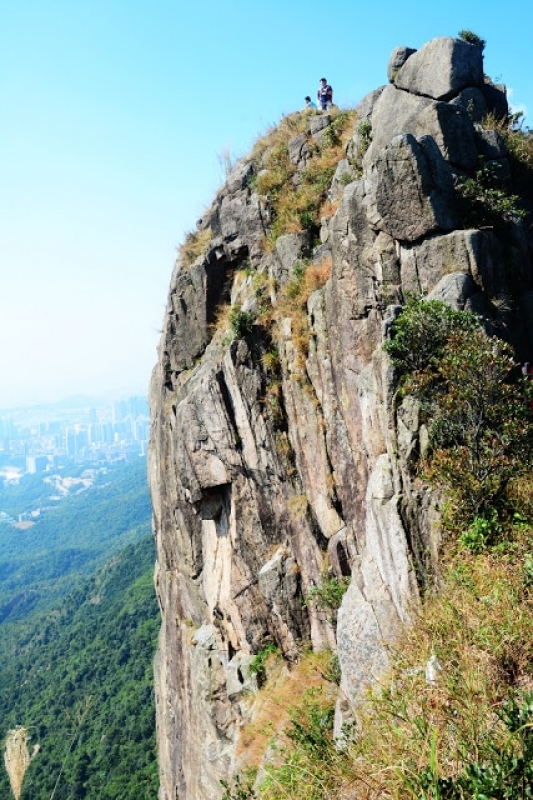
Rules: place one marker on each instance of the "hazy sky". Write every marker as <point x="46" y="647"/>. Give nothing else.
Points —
<point x="112" y="117"/>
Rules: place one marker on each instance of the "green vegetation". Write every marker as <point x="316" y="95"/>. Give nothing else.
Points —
<point x="292" y="302"/>
<point x="419" y="336"/>
<point x="476" y="404"/>
<point x="76" y="650"/>
<point x="364" y="129"/>
<point x="519" y="143"/>
<point x="39" y="565"/>
<point x="258" y="663"/>
<point x="299" y="207"/>
<point x="241" y="787"/>
<point x="79" y="678"/>
<point x="472" y="38"/>
<point x="484" y="201"/>
<point x="307" y="758"/>
<point x="242" y="322"/>
<point x="328" y="595"/>
<point x="468" y="733"/>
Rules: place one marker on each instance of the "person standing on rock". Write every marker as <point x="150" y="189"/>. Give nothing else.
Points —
<point x="325" y="95"/>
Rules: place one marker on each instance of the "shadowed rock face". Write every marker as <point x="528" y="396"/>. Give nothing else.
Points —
<point x="249" y="505"/>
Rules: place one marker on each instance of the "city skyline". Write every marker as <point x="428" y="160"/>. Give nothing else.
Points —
<point x="96" y="434"/>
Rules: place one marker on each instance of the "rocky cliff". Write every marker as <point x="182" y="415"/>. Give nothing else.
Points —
<point x="280" y="453"/>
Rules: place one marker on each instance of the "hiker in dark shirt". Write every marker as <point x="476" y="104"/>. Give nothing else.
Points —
<point x="325" y="95"/>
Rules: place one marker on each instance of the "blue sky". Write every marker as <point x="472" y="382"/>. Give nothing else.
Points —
<point x="113" y="115"/>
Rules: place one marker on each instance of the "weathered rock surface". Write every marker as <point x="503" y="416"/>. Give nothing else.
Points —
<point x="441" y="69"/>
<point x="412" y="191"/>
<point x="397" y="59"/>
<point x="396" y="112"/>
<point x="269" y="465"/>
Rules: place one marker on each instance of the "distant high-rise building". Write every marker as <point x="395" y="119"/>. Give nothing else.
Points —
<point x="94" y="433"/>
<point x="71" y="442"/>
<point x="36" y="464"/>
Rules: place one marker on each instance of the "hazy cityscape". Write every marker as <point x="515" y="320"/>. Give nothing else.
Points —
<point x="76" y="433"/>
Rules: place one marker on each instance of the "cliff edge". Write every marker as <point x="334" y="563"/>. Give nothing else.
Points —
<point x="280" y="453"/>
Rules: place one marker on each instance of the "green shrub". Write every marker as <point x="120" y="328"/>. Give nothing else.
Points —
<point x="481" y="428"/>
<point x="329" y="593"/>
<point x="242" y="322"/>
<point x="477" y="407"/>
<point x="241" y="787"/>
<point x="519" y="143"/>
<point x="484" y="202"/>
<point x="528" y="569"/>
<point x="364" y="129"/>
<point x="257" y="665"/>
<point x="420" y="333"/>
<point x="504" y="773"/>
<point x="472" y="38"/>
<point x="481" y="532"/>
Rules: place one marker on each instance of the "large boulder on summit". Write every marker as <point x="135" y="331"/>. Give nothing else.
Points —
<point x="397" y="112"/>
<point x="442" y="68"/>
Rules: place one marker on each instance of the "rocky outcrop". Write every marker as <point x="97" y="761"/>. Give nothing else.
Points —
<point x="273" y="463"/>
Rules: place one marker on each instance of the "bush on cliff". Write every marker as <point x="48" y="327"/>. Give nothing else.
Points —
<point x="519" y="144"/>
<point x="484" y="202"/>
<point x="476" y="403"/>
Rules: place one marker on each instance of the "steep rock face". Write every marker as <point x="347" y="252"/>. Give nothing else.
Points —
<point x="255" y="493"/>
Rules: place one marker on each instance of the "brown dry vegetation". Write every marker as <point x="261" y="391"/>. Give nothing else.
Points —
<point x="479" y="629"/>
<point x="292" y="302"/>
<point x="17" y="758"/>
<point x="284" y="689"/>
<point x="300" y="206"/>
<point x="194" y="246"/>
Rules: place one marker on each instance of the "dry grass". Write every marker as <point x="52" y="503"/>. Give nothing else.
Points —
<point x="289" y="127"/>
<point x="194" y="246"/>
<point x="479" y="630"/>
<point x="292" y="302"/>
<point x="222" y="323"/>
<point x="297" y="506"/>
<point x="328" y="209"/>
<point x="299" y="207"/>
<point x="284" y="689"/>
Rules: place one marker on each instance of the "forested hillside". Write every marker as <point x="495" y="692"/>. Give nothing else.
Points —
<point x="39" y="565"/>
<point x="80" y="680"/>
